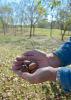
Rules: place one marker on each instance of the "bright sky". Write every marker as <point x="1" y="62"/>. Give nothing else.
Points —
<point x="13" y="1"/>
<point x="6" y="1"/>
<point x="20" y="0"/>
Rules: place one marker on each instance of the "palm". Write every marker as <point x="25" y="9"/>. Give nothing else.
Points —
<point x="38" y="56"/>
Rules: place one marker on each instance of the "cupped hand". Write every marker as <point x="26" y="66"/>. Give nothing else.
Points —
<point x="40" y="75"/>
<point x="43" y="61"/>
<point x="38" y="56"/>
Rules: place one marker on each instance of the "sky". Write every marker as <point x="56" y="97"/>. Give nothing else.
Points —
<point x="13" y="1"/>
<point x="6" y="1"/>
<point x="17" y="1"/>
<point x="20" y="0"/>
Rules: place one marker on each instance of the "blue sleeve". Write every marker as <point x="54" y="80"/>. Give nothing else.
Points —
<point x="64" y="53"/>
<point x="65" y="78"/>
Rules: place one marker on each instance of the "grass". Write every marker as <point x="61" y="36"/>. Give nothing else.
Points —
<point x="14" y="88"/>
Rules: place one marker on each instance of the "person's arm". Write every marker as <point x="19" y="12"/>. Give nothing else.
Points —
<point x="62" y="74"/>
<point x="64" y="53"/>
<point x="61" y="57"/>
<point x="64" y="77"/>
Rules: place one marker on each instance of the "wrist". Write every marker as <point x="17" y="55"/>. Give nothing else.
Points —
<point x="53" y="60"/>
<point x="58" y="74"/>
<point x="53" y="73"/>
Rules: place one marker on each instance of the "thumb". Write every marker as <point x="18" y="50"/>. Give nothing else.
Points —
<point x="28" y="77"/>
<point x="32" y="78"/>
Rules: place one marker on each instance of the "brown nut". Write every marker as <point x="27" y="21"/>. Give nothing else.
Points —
<point x="32" y="66"/>
<point x="28" y="66"/>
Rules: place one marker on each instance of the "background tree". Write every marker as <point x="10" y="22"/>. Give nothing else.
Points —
<point x="54" y="4"/>
<point x="5" y="12"/>
<point x="64" y="19"/>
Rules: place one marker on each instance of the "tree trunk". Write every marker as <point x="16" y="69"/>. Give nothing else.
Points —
<point x="31" y="27"/>
<point x="63" y="34"/>
<point x="4" y="29"/>
<point x="33" y="30"/>
<point x="3" y="26"/>
<point x="15" y="30"/>
<point x="51" y="29"/>
<point x="21" y="29"/>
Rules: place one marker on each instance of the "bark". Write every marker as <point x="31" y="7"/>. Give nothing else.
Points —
<point x="31" y="27"/>
<point x="51" y="30"/>
<point x="33" y="30"/>
<point x="63" y="34"/>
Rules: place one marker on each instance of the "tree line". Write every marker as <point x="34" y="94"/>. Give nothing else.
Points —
<point x="29" y="14"/>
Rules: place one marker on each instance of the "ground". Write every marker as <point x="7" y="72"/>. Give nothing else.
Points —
<point x="14" y="88"/>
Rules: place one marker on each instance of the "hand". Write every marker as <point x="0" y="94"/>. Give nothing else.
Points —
<point x="41" y="58"/>
<point x="44" y="72"/>
<point x="35" y="55"/>
<point x="40" y="75"/>
<point x="38" y="56"/>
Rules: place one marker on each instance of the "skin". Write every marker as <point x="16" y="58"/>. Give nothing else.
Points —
<point x="48" y="65"/>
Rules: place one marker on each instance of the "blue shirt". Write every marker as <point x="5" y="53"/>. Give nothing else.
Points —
<point x="64" y="73"/>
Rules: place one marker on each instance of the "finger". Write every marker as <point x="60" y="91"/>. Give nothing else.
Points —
<point x="34" y="52"/>
<point x="32" y="78"/>
<point x="14" y="68"/>
<point x="19" y="73"/>
<point x="29" y="53"/>
<point x="18" y="63"/>
<point x="30" y="57"/>
<point x="21" y="58"/>
<point x="28" y="77"/>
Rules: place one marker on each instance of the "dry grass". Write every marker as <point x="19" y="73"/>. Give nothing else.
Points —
<point x="14" y="88"/>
